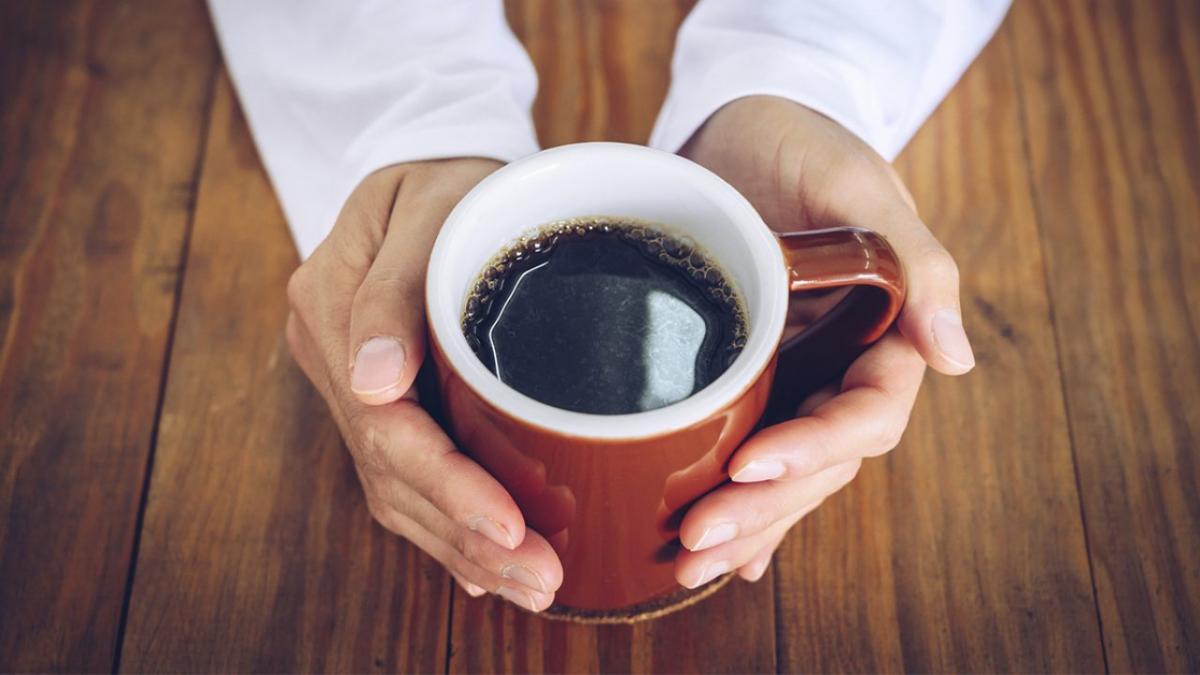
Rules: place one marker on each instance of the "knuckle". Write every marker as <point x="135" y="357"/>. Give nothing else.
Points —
<point x="300" y="285"/>
<point x="851" y="470"/>
<point x="379" y="513"/>
<point x="855" y="176"/>
<point x="462" y="541"/>
<point x="860" y="169"/>
<point x="887" y="437"/>
<point x="384" y="514"/>
<point x="817" y="451"/>
<point x="373" y="444"/>
<point x="939" y="265"/>
<point x="355" y="247"/>
<point x="383" y="287"/>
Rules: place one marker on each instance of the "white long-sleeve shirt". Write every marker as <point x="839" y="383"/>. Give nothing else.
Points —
<point x="335" y="90"/>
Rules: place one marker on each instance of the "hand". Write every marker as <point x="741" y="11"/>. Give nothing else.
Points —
<point x="802" y="170"/>
<point x="357" y="329"/>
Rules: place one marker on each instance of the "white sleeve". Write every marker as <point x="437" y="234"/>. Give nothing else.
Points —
<point x="335" y="90"/>
<point x="878" y="68"/>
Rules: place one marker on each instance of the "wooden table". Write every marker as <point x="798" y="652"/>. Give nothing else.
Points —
<point x="173" y="495"/>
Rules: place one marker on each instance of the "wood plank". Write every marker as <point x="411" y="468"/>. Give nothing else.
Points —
<point x="603" y="65"/>
<point x="962" y="550"/>
<point x="1110" y="99"/>
<point x="604" y="69"/>
<point x="102" y="106"/>
<point x="732" y="631"/>
<point x="258" y="553"/>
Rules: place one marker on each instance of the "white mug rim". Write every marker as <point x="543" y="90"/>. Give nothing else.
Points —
<point x="444" y="316"/>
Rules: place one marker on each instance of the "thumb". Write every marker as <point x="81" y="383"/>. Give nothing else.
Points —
<point x="387" y="335"/>
<point x="387" y="319"/>
<point x="931" y="318"/>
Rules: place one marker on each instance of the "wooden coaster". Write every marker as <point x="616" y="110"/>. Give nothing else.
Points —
<point x="654" y="609"/>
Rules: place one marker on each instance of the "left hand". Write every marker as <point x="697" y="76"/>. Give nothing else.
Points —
<point x="357" y="330"/>
<point x="802" y="170"/>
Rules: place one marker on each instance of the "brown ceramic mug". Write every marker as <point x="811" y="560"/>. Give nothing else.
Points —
<point x="608" y="491"/>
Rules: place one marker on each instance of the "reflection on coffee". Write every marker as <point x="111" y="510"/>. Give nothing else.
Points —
<point x="604" y="316"/>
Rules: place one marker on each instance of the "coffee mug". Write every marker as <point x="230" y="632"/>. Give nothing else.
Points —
<point x="609" y="491"/>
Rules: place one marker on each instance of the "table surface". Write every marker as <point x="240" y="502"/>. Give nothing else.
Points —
<point x="173" y="495"/>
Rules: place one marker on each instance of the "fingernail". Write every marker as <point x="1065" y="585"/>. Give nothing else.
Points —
<point x="524" y="576"/>
<point x="717" y="534"/>
<point x="517" y="597"/>
<point x="952" y="340"/>
<point x="377" y="365"/>
<point x="759" y="470"/>
<point x="711" y="571"/>
<point x="492" y="530"/>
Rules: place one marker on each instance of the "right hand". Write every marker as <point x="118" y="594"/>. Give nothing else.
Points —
<point x="357" y="329"/>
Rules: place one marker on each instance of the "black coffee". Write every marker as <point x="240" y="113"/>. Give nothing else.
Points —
<point x="604" y="316"/>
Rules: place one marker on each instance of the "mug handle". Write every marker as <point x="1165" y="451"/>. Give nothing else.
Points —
<point x="822" y="259"/>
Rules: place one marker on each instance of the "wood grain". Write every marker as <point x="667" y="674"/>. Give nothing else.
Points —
<point x="732" y="631"/>
<point x="101" y="111"/>
<point x="1041" y="513"/>
<point x="942" y="556"/>
<point x="604" y="69"/>
<point x="1110" y="108"/>
<point x="257" y="550"/>
<point x="603" y="65"/>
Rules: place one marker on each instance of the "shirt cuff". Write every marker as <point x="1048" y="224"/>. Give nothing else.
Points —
<point x="693" y="98"/>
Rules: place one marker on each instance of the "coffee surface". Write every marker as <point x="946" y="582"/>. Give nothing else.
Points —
<point x="604" y="316"/>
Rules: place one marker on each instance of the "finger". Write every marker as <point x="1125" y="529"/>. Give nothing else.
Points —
<point x="694" y="569"/>
<point x="504" y="573"/>
<point x="303" y="351"/>
<point x="416" y="480"/>
<point x="387" y="320"/>
<point x="452" y="558"/>
<point x="817" y="399"/>
<point x="521" y="566"/>
<point x="932" y="316"/>
<point x="321" y="291"/>
<point x="534" y="564"/>
<point x="402" y="443"/>
<point x="753" y="570"/>
<point x="866" y="420"/>
<point x="741" y="510"/>
<point x="387" y="323"/>
<point x="307" y="353"/>
<point x="470" y="588"/>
